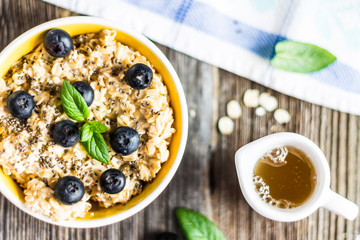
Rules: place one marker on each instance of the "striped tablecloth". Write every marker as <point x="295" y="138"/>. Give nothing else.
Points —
<point x="240" y="35"/>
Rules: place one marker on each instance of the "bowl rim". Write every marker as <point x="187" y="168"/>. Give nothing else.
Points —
<point x="184" y="117"/>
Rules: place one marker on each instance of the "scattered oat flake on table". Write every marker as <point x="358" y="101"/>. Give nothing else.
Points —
<point x="192" y="113"/>
<point x="270" y="103"/>
<point x="233" y="109"/>
<point x="251" y="98"/>
<point x="282" y="116"/>
<point x="226" y="125"/>
<point x="260" y="111"/>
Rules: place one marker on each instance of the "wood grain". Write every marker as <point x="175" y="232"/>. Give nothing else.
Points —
<point x="206" y="180"/>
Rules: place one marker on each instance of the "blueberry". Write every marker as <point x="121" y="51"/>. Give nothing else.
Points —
<point x="69" y="190"/>
<point x="85" y="90"/>
<point x="168" y="236"/>
<point x="112" y="181"/>
<point x="124" y="140"/>
<point x="139" y="76"/>
<point x="58" y="43"/>
<point x="20" y="104"/>
<point x="66" y="133"/>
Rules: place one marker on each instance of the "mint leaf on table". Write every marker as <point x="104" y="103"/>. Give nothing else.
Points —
<point x="197" y="226"/>
<point x="96" y="146"/>
<point x="73" y="103"/>
<point x="300" y="57"/>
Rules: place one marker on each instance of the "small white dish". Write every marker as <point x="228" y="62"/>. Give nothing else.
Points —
<point x="246" y="158"/>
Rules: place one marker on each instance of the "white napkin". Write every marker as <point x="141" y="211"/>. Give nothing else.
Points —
<point x="240" y="35"/>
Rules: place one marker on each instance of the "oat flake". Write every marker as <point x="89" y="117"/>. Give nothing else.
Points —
<point x="226" y="125"/>
<point x="270" y="103"/>
<point x="282" y="116"/>
<point x="233" y="109"/>
<point x="251" y="98"/>
<point x="260" y="111"/>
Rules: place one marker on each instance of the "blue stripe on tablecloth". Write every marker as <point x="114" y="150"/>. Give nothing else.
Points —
<point x="196" y="15"/>
<point x="341" y="76"/>
<point x="207" y="19"/>
<point x="182" y="11"/>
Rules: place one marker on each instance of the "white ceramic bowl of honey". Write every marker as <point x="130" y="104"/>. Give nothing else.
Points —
<point x="247" y="158"/>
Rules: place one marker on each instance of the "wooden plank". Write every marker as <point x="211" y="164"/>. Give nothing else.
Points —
<point x="206" y="180"/>
<point x="329" y="129"/>
<point x="190" y="187"/>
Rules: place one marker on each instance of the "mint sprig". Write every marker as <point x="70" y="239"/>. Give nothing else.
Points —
<point x="97" y="126"/>
<point x="86" y="133"/>
<point x="73" y="103"/>
<point x="197" y="226"/>
<point x="301" y="57"/>
<point x="93" y="141"/>
<point x="88" y="129"/>
<point x="76" y="108"/>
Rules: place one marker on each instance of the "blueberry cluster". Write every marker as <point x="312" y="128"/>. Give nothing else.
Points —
<point x="69" y="190"/>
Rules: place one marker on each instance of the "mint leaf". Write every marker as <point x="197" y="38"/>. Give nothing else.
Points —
<point x="86" y="132"/>
<point x="89" y="127"/>
<point x="96" y="147"/>
<point x="93" y="141"/>
<point x="197" y="226"/>
<point x="73" y="103"/>
<point x="301" y="57"/>
<point x="98" y="126"/>
<point x="76" y="108"/>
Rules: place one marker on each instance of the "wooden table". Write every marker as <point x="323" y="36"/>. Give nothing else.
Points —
<point x="206" y="180"/>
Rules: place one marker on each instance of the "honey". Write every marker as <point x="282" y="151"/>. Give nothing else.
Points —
<point x="284" y="177"/>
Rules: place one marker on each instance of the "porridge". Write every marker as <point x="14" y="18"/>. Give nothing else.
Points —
<point x="32" y="152"/>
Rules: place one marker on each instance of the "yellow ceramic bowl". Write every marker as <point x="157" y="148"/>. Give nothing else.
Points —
<point x="79" y="25"/>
